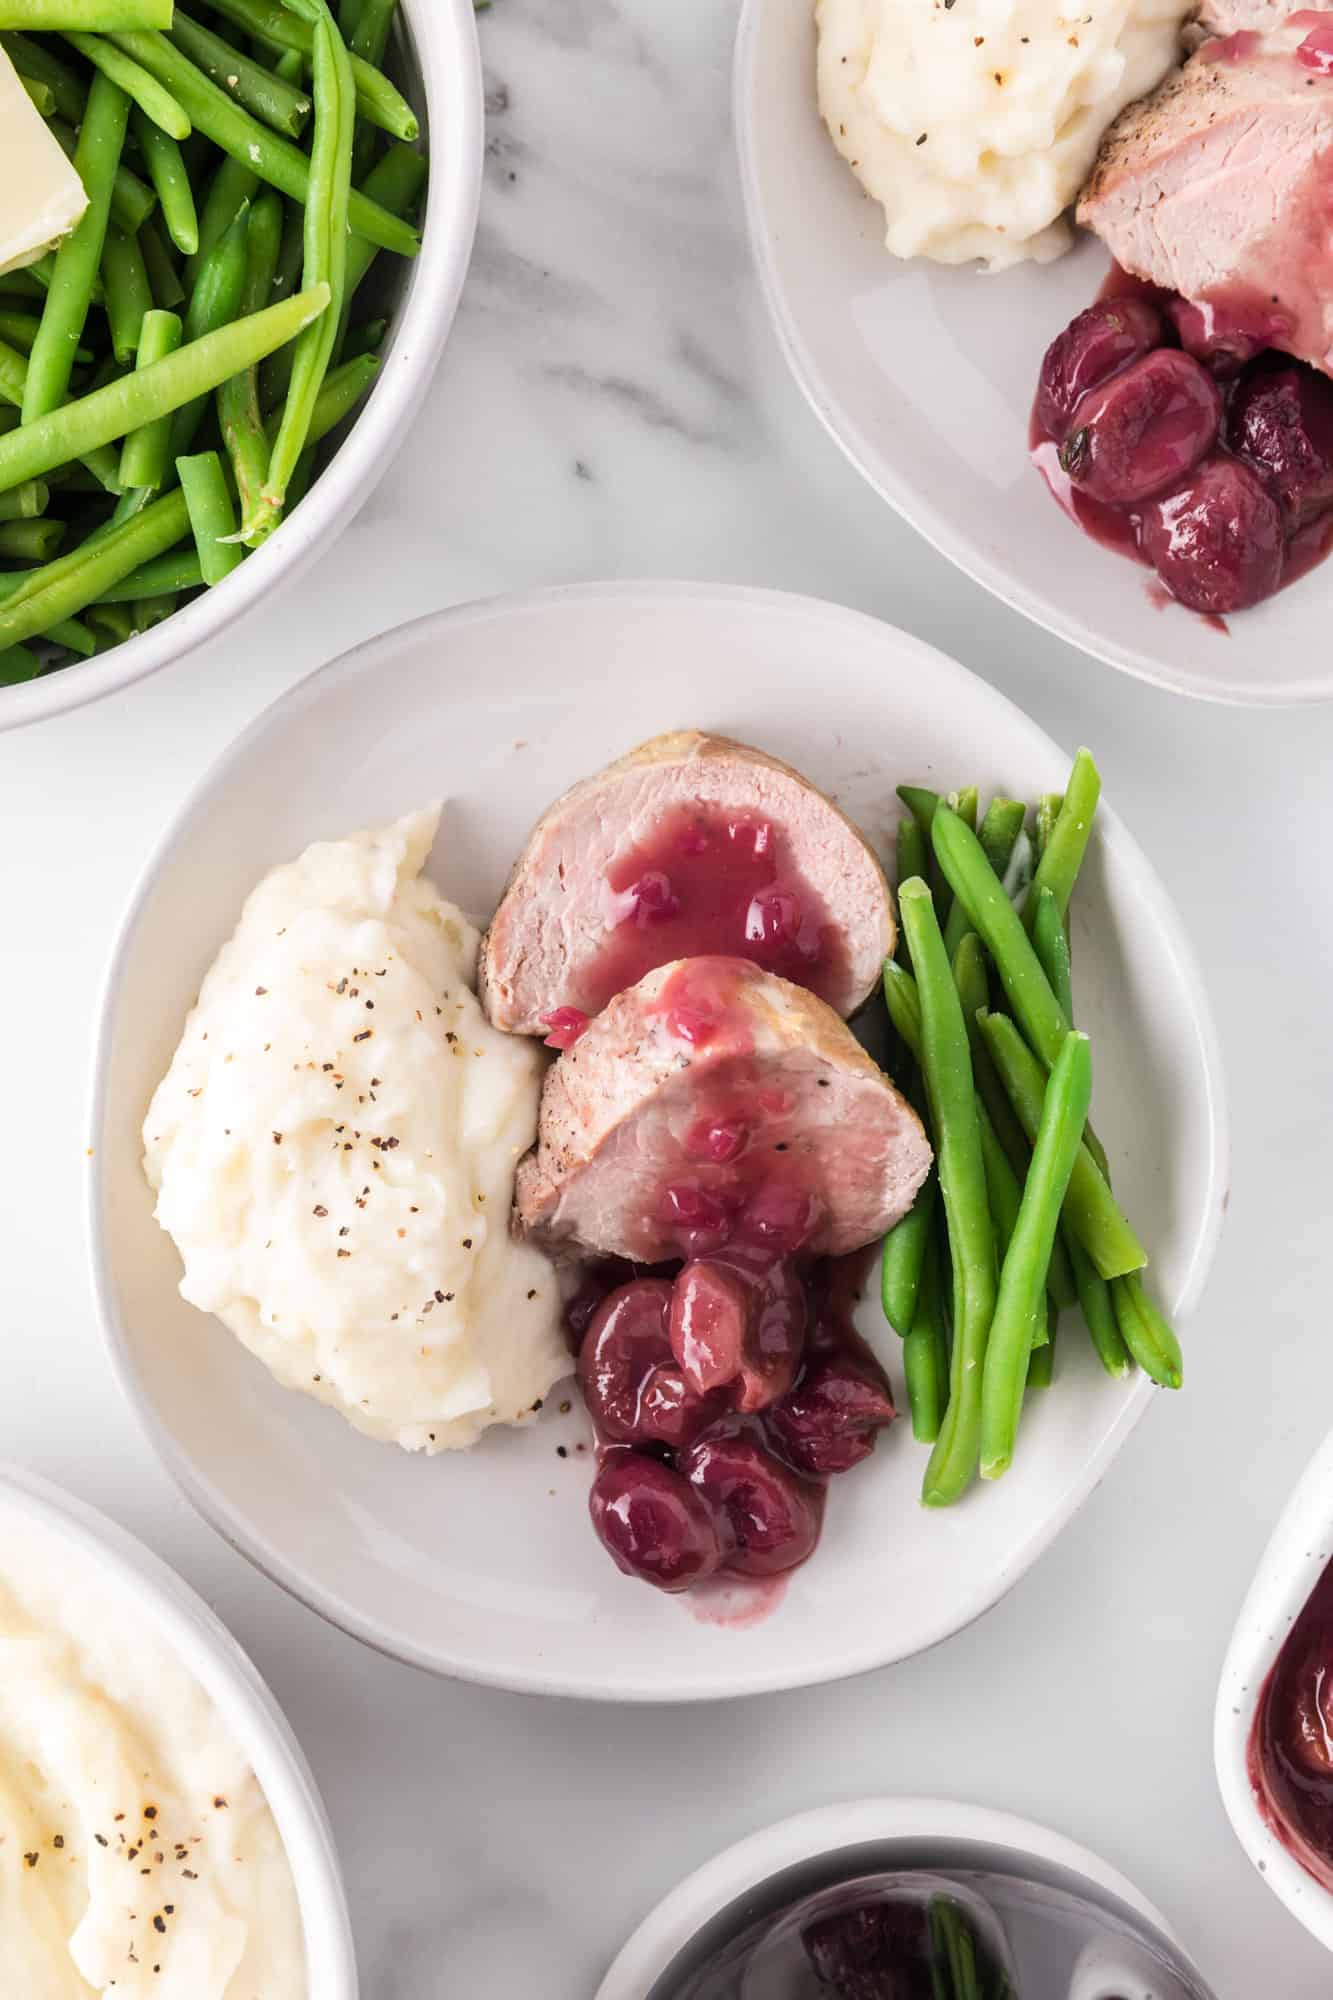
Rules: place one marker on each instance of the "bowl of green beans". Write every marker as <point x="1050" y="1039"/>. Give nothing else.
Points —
<point x="205" y="379"/>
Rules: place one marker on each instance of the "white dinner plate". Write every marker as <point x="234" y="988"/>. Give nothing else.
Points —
<point x="484" y="1564"/>
<point x="925" y="375"/>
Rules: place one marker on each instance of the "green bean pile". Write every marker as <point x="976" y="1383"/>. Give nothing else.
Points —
<point x="1017" y="1221"/>
<point x="168" y="372"/>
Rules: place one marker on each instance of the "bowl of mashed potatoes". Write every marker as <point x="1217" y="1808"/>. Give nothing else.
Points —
<point x="163" y="1830"/>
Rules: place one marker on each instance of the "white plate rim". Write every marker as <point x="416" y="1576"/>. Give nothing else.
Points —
<point x="242" y="1697"/>
<point x="928" y="521"/>
<point x="532" y="1679"/>
<point x="684" y="1910"/>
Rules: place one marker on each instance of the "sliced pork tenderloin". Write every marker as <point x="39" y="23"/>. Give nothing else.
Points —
<point x="712" y="1104"/>
<point x="690" y="845"/>
<point x="1219" y="186"/>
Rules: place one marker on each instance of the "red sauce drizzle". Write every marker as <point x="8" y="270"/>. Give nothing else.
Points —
<point x="705" y="881"/>
<point x="1240" y="312"/>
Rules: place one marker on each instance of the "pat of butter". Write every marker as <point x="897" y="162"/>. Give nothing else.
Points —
<point x="41" y="196"/>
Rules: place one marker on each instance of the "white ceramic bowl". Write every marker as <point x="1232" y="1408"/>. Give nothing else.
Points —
<point x="442" y="63"/>
<point x="926" y="376"/>
<point x="483" y="1564"/>
<point x="1297" y="1555"/>
<point x="246" y="1707"/>
<point x="866" y="1824"/>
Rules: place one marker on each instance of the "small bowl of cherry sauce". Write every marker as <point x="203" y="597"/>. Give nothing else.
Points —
<point x="1273" y="1724"/>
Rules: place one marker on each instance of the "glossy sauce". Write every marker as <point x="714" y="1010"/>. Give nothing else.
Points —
<point x="727" y="1385"/>
<point x="707" y="881"/>
<point x="743" y="1169"/>
<point x="1291" y="1743"/>
<point x="698" y="1483"/>
<point x="1252" y="327"/>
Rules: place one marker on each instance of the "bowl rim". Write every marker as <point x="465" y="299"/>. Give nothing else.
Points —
<point x="727" y="1876"/>
<point x="244" y="1701"/>
<point x="1295" y="1556"/>
<point x="964" y="550"/>
<point x="532" y="1677"/>
<point x="444" y="33"/>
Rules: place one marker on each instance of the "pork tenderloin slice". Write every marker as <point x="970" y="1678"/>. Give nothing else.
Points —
<point x="714" y="1104"/>
<point x="1218" y="187"/>
<point x="689" y="845"/>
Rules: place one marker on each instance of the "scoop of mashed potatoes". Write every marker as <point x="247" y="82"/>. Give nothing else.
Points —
<point x="333" y="1152"/>
<point x="138" y="1854"/>
<point x="976" y="122"/>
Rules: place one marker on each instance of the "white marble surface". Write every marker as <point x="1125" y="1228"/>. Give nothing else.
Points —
<point x="613" y="404"/>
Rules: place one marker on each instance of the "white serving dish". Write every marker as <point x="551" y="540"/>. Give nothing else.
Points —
<point x="442" y="63"/>
<point x="1291" y="1565"/>
<point x="862" y="1823"/>
<point x="484" y="1565"/>
<point x="248" y="1710"/>
<point x="926" y="376"/>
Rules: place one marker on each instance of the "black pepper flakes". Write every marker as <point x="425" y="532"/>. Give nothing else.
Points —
<point x="922" y="140"/>
<point x="30" y="1860"/>
<point x="160" y="1924"/>
<point x="364" y="1035"/>
<point x="319" y="1209"/>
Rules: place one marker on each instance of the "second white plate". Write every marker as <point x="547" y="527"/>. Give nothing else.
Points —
<point x="484" y="1565"/>
<point x="926" y="376"/>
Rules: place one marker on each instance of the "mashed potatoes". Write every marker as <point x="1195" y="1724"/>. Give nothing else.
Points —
<point x="138" y="1855"/>
<point x="333" y="1150"/>
<point x="975" y="122"/>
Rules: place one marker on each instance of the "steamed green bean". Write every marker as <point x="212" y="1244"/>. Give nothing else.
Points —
<point x="96" y="157"/>
<point x="275" y="159"/>
<point x="110" y="413"/>
<point x="1090" y="1208"/>
<point x="947" y="1067"/>
<point x="377" y="100"/>
<point x="278" y="103"/>
<point x="326" y="223"/>
<point x="167" y="171"/>
<point x="1020" y="1305"/>
<point x="157" y="104"/>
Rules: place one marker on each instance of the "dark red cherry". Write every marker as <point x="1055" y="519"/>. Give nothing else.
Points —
<point x="1223" y="339"/>
<point x="632" y="1384"/>
<point x="1281" y="420"/>
<point x="1142" y="431"/>
<point x="1216" y="541"/>
<point x="1092" y="348"/>
<point x="653" y="1522"/>
<point x="768" y="1518"/>
<point x="829" y="1421"/>
<point x="739" y="1330"/>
